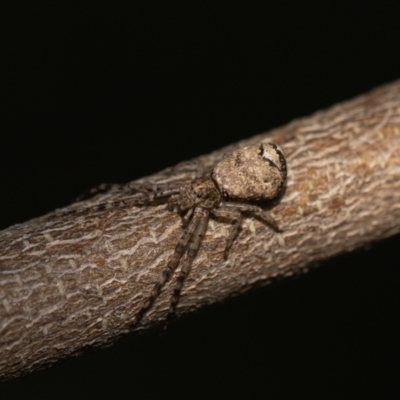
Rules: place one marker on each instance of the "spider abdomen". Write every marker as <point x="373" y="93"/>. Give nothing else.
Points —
<point x="252" y="173"/>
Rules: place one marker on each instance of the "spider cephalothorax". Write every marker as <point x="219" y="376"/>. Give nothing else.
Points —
<point x="201" y="191"/>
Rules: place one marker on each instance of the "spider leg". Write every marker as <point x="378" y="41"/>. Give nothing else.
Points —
<point x="256" y="210"/>
<point x="136" y="187"/>
<point x="171" y="266"/>
<point x="202" y="215"/>
<point x="150" y="197"/>
<point x="186" y="218"/>
<point x="232" y="215"/>
<point x="190" y="166"/>
<point x="123" y="203"/>
<point x="141" y="201"/>
<point x="102" y="188"/>
<point x="173" y="202"/>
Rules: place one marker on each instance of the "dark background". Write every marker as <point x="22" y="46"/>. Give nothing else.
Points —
<point x="108" y="93"/>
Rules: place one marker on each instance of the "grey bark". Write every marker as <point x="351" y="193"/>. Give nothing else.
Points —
<point x="69" y="281"/>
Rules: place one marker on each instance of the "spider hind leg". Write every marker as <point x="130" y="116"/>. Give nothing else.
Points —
<point x="234" y="216"/>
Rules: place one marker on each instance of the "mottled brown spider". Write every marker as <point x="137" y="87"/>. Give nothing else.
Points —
<point x="243" y="178"/>
<point x="248" y="175"/>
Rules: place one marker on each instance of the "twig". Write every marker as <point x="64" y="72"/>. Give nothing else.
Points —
<point x="76" y="280"/>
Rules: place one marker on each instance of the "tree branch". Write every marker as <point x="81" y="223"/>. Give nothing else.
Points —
<point x="69" y="281"/>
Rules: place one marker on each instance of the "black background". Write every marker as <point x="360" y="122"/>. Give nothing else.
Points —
<point x="112" y="92"/>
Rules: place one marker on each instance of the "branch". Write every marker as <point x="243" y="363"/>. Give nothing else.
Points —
<point x="69" y="281"/>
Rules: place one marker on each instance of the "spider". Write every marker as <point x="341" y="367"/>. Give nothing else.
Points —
<point x="243" y="178"/>
<point x="248" y="175"/>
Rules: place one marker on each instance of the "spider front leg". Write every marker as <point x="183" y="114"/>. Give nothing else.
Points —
<point x="171" y="266"/>
<point x="173" y="202"/>
<point x="203" y="215"/>
<point x="153" y="191"/>
<point x="119" y="187"/>
<point x="190" y="166"/>
<point x="102" y="188"/>
<point x="128" y="201"/>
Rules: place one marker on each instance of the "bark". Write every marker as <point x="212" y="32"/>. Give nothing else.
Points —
<point x="70" y="281"/>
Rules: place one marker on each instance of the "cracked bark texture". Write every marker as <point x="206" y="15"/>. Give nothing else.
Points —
<point x="70" y="281"/>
